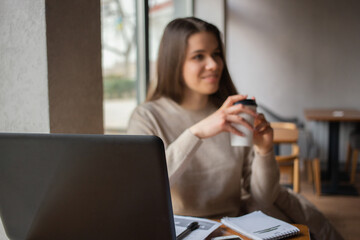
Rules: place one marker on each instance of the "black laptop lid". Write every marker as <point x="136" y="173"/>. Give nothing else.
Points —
<point x="57" y="186"/>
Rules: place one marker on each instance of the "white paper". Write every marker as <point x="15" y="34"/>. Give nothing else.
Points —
<point x="206" y="227"/>
<point x="258" y="225"/>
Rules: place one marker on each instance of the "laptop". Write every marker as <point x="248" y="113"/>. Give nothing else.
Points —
<point x="68" y="186"/>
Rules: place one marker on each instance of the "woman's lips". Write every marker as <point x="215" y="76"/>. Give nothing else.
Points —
<point x="211" y="78"/>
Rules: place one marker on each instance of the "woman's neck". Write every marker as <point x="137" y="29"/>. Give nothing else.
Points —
<point x="194" y="101"/>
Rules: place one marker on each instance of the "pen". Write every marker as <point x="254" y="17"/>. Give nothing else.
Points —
<point x="191" y="227"/>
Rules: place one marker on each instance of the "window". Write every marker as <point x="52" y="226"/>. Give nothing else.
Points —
<point x="118" y="20"/>
<point x="119" y="53"/>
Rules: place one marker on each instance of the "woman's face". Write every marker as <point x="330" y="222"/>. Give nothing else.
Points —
<point x="203" y="64"/>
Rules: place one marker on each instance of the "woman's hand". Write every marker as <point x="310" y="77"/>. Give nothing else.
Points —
<point x="263" y="135"/>
<point x="228" y="114"/>
<point x="223" y="118"/>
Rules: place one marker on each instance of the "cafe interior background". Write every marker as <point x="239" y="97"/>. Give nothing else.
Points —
<point x="82" y="66"/>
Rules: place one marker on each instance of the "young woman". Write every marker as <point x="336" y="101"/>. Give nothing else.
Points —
<point x="192" y="110"/>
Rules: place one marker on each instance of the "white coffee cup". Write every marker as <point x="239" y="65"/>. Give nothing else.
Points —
<point x="246" y="140"/>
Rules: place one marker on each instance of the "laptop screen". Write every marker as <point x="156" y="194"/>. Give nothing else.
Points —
<point x="60" y="186"/>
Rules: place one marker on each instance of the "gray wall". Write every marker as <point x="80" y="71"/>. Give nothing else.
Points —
<point x="293" y="55"/>
<point x="24" y="103"/>
<point x="212" y="11"/>
<point x="296" y="54"/>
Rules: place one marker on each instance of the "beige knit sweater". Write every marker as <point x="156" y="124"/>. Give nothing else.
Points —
<point x="207" y="177"/>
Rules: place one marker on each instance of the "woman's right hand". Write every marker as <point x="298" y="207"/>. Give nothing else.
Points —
<point x="223" y="118"/>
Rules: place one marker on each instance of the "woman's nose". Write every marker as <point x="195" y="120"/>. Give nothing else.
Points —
<point x="211" y="63"/>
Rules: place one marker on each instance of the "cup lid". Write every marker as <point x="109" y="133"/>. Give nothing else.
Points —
<point x="247" y="102"/>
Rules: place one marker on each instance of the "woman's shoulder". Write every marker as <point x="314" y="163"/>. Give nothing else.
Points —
<point x="149" y="115"/>
<point x="159" y="106"/>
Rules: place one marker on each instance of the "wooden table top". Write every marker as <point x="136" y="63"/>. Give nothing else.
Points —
<point x="225" y="231"/>
<point x="333" y="115"/>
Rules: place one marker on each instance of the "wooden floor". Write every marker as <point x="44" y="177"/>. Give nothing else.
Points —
<point x="342" y="211"/>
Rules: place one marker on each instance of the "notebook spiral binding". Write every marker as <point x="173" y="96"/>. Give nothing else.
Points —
<point x="283" y="235"/>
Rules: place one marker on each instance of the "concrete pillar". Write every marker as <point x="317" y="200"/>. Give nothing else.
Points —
<point x="50" y="65"/>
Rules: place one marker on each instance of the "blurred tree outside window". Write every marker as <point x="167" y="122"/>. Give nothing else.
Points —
<point x="118" y="20"/>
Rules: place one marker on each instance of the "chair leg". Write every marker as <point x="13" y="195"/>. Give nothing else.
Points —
<point x="348" y="157"/>
<point x="353" y="167"/>
<point x="317" y="176"/>
<point x="296" y="176"/>
<point x="309" y="170"/>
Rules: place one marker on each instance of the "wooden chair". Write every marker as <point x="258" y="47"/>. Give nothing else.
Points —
<point x="287" y="133"/>
<point x="353" y="152"/>
<point x="314" y="173"/>
<point x="289" y="165"/>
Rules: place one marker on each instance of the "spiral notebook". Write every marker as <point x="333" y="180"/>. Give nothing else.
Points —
<point x="259" y="226"/>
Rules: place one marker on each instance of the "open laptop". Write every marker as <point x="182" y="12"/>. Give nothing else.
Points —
<point x="60" y="186"/>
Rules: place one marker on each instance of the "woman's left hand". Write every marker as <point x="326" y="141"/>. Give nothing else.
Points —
<point x="263" y="135"/>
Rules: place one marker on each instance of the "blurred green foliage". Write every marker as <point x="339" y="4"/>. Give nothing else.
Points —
<point x="118" y="87"/>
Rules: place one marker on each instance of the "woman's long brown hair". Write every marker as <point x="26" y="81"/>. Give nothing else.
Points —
<point x="172" y="53"/>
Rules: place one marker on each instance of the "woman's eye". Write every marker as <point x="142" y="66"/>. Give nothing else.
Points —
<point x="217" y="54"/>
<point x="198" y="57"/>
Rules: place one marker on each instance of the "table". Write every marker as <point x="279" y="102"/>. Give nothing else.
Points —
<point x="334" y="117"/>
<point x="225" y="231"/>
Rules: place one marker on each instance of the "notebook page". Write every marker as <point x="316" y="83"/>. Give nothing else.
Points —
<point x="257" y="225"/>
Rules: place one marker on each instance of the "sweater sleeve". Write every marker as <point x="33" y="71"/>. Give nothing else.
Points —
<point x="261" y="177"/>
<point x="178" y="153"/>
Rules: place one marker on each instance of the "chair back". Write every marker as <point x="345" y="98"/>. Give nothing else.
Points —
<point x="285" y="132"/>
